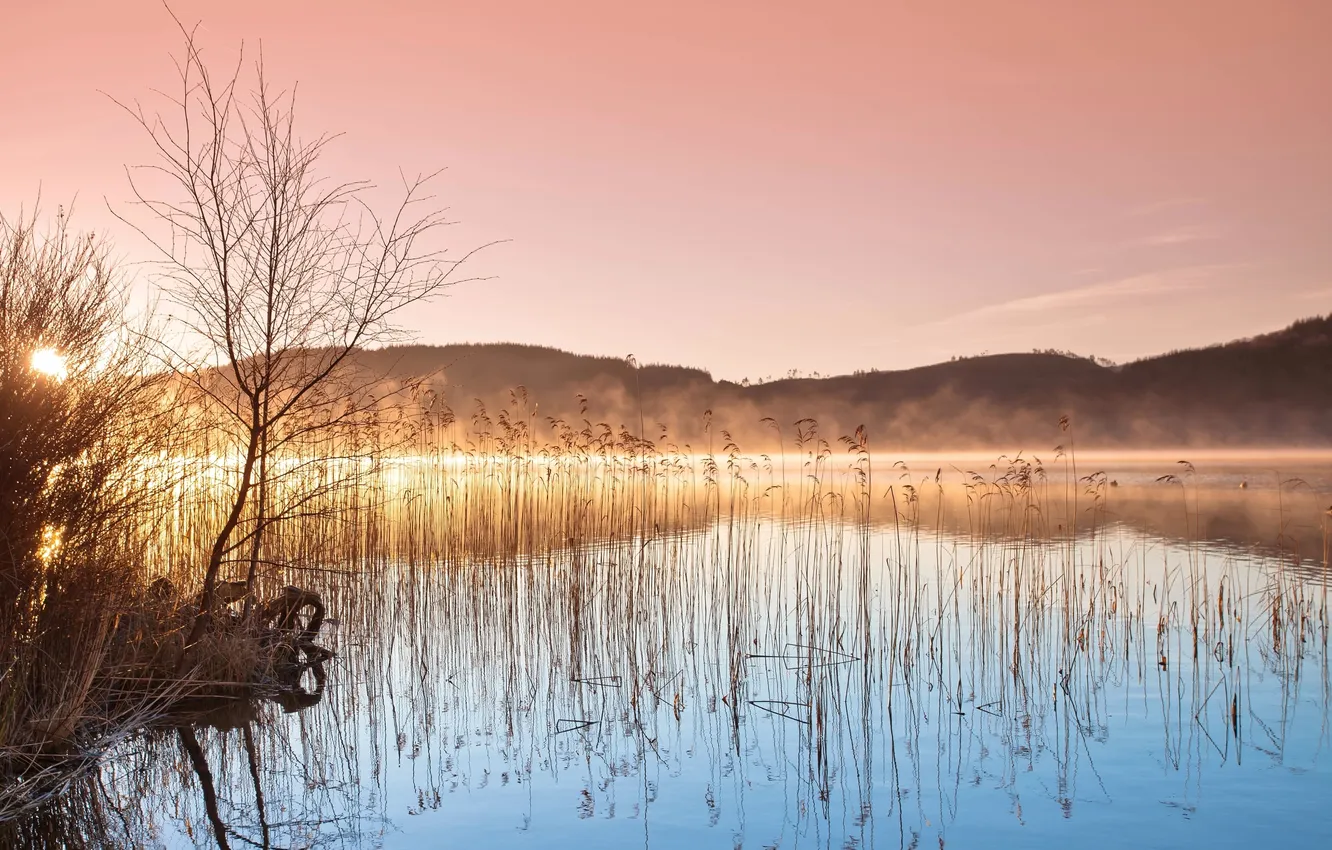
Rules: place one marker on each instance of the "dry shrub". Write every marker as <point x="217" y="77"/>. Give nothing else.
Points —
<point x="73" y="488"/>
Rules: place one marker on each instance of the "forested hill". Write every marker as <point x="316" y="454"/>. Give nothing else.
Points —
<point x="1271" y="390"/>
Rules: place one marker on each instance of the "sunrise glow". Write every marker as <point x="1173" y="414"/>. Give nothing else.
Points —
<point x="49" y="362"/>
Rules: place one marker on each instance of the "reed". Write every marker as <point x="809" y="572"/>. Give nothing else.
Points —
<point x="568" y="595"/>
<point x="519" y="599"/>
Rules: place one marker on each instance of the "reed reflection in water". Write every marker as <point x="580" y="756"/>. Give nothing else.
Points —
<point x="749" y="653"/>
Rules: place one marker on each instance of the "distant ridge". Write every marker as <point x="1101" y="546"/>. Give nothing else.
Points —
<point x="1265" y="391"/>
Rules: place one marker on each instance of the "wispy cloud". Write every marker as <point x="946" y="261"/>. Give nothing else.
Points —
<point x="1096" y="297"/>
<point x="1180" y="235"/>
<point x="1167" y="204"/>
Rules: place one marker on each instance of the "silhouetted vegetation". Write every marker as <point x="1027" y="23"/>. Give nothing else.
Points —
<point x="77" y="417"/>
<point x="280" y="277"/>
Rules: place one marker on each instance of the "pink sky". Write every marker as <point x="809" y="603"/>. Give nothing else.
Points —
<point x="752" y="187"/>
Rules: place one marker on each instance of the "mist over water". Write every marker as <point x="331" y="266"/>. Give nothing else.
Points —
<point x="829" y="652"/>
<point x="273" y="579"/>
<point x="1249" y="395"/>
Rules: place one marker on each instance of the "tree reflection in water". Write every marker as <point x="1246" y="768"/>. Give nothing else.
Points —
<point x="821" y="675"/>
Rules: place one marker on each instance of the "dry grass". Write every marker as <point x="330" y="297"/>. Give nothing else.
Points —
<point x="558" y="585"/>
<point x="587" y="591"/>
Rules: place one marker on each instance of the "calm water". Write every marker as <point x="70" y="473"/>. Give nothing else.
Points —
<point x="958" y="667"/>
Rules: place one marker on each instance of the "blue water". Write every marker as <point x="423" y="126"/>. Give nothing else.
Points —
<point x="877" y="702"/>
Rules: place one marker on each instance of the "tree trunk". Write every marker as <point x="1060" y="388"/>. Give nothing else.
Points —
<point x="223" y="536"/>
<point x="201" y="769"/>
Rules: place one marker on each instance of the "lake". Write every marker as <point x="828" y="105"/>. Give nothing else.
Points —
<point x="816" y="651"/>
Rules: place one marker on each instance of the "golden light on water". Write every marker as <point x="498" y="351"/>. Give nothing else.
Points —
<point x="50" y="362"/>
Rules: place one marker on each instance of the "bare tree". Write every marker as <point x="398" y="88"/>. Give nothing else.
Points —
<point x="278" y="276"/>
